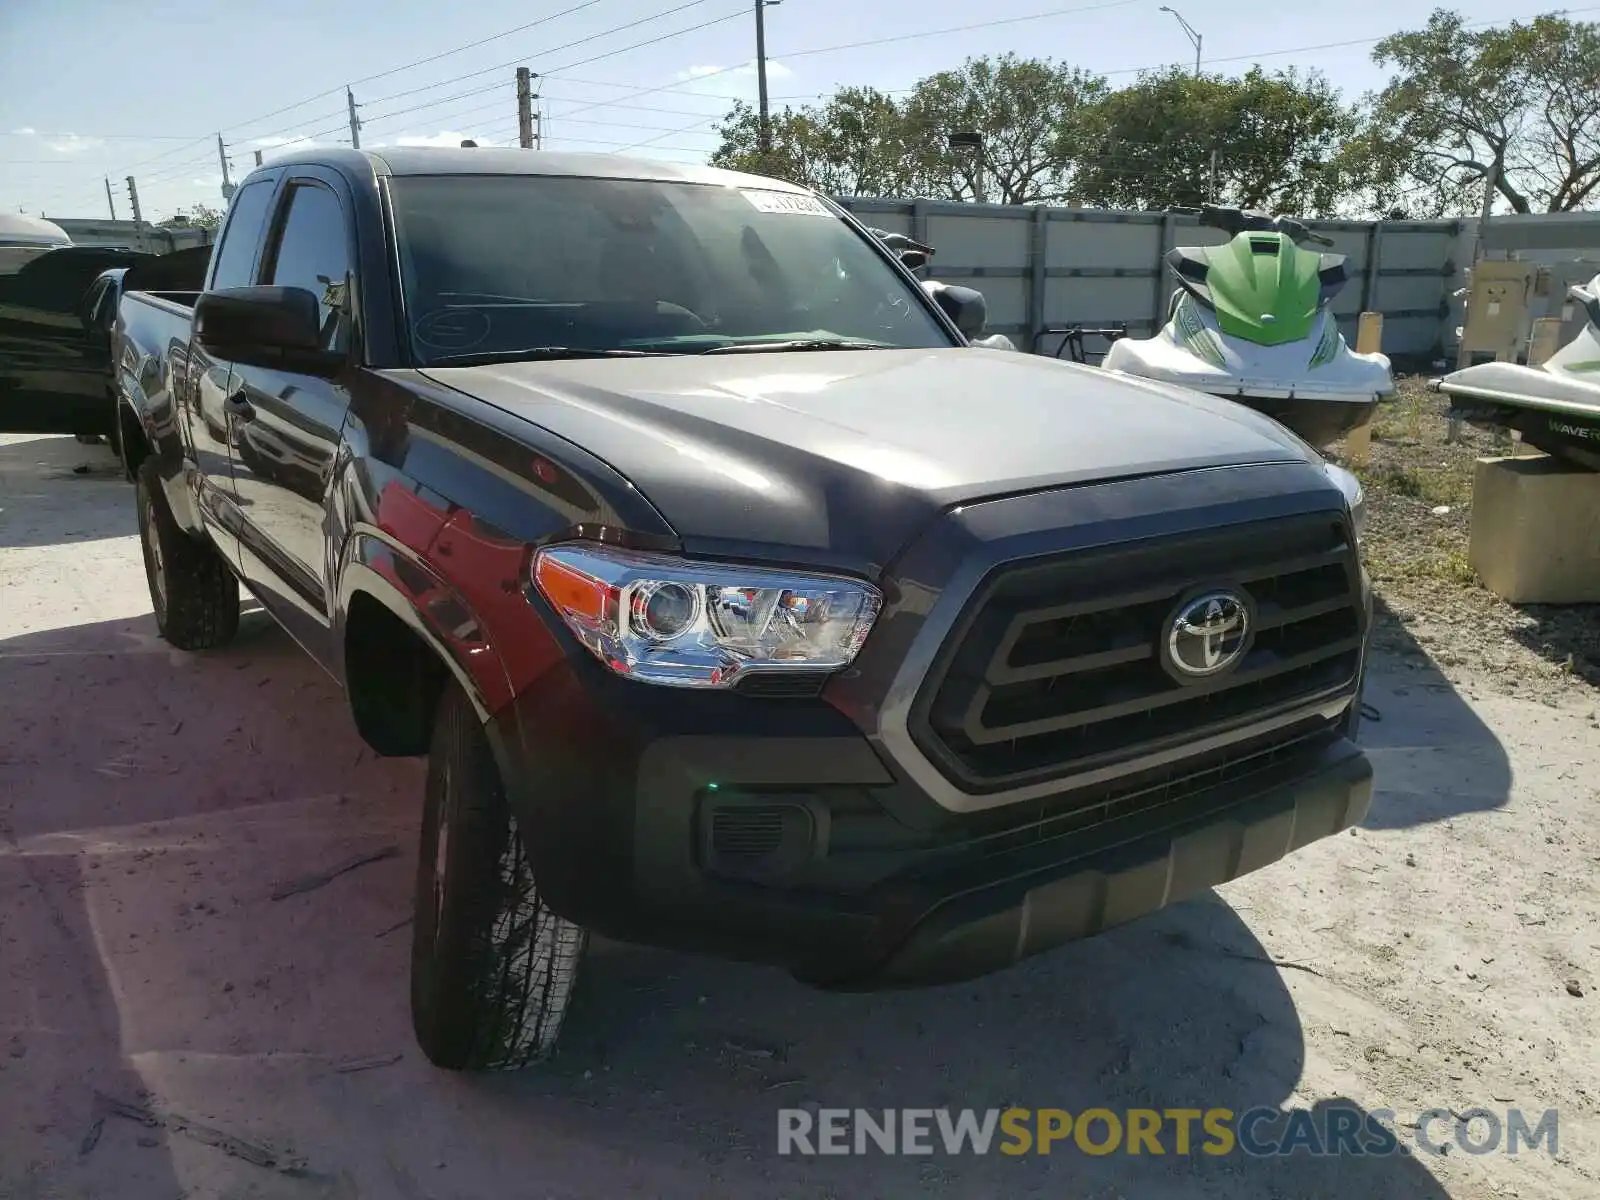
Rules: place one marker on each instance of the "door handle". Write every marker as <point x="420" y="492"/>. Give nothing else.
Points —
<point x="236" y="405"/>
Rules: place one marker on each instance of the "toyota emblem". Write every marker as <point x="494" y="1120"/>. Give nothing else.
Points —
<point x="1207" y="635"/>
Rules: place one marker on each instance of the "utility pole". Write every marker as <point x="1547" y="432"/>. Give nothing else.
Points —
<point x="525" y="108"/>
<point x="1194" y="34"/>
<point x="1213" y="189"/>
<point x="761" y="77"/>
<point x="1492" y="177"/>
<point x="355" y="121"/>
<point x="111" y="204"/>
<point x="133" y="199"/>
<point x="222" y="156"/>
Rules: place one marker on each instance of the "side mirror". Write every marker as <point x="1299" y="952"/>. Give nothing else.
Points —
<point x="913" y="260"/>
<point x="265" y="326"/>
<point x="963" y="305"/>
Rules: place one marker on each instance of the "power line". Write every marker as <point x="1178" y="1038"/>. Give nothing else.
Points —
<point x="258" y="138"/>
<point x="650" y="108"/>
<point x="495" y="37"/>
<point x="659" y="137"/>
<point x="425" y="105"/>
<point x="395" y="70"/>
<point x="625" y="146"/>
<point x="174" y="169"/>
<point x="908" y="37"/>
<point x="415" y="63"/>
<point x="516" y="62"/>
<point x="100" y="137"/>
<point x="1367" y="41"/>
<point x="902" y="37"/>
<point x="676" y="89"/>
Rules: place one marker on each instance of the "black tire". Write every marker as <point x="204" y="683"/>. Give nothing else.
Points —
<point x="195" y="596"/>
<point x="492" y="968"/>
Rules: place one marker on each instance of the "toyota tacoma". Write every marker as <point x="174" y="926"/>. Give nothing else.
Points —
<point x="737" y="603"/>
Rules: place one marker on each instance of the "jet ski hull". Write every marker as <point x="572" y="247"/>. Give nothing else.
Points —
<point x="1320" y="422"/>
<point x="1552" y="411"/>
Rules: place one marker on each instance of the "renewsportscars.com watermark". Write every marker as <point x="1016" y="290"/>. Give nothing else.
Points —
<point x="1328" y="1131"/>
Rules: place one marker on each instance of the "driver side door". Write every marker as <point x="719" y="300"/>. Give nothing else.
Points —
<point x="285" y="426"/>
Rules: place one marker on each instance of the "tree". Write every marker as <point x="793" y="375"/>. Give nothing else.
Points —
<point x="1510" y="112"/>
<point x="1026" y="113"/>
<point x="1264" y="141"/>
<point x="201" y="216"/>
<point x="853" y="145"/>
<point x="1028" y="116"/>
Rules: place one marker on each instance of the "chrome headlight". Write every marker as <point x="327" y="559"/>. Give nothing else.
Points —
<point x="1354" y="497"/>
<point x="666" y="620"/>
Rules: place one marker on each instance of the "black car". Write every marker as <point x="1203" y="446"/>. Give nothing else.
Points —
<point x="57" y="311"/>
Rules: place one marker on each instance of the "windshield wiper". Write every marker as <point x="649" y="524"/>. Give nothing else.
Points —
<point x="793" y="345"/>
<point x="536" y="354"/>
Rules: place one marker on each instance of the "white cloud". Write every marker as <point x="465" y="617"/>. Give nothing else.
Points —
<point x="280" y="143"/>
<point x="65" y="143"/>
<point x="775" y="70"/>
<point x="446" y="137"/>
<point x="73" y="144"/>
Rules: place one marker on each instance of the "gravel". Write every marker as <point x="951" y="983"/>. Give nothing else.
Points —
<point x="1431" y="604"/>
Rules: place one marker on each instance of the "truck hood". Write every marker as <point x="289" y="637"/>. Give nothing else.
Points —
<point x="840" y="457"/>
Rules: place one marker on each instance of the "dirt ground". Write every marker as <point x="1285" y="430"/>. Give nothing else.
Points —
<point x="193" y="1003"/>
<point x="1419" y="489"/>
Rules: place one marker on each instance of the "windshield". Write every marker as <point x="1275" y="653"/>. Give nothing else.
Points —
<point x="496" y="264"/>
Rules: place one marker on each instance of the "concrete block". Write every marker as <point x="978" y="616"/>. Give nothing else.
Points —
<point x="1536" y="530"/>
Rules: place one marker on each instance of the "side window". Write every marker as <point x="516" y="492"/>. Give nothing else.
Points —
<point x="313" y="252"/>
<point x="247" y="222"/>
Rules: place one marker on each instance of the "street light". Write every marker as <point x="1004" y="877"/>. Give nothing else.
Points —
<point x="1194" y="35"/>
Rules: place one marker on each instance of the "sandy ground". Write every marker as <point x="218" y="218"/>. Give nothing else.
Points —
<point x="156" y="806"/>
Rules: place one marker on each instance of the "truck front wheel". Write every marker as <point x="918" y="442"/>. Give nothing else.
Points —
<point x="492" y="968"/>
<point x="195" y="596"/>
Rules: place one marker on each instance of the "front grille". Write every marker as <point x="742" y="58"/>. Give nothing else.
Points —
<point x="1149" y="792"/>
<point x="1055" y="666"/>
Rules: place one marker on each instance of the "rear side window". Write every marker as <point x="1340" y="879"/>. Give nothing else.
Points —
<point x="247" y="219"/>
<point x="313" y="252"/>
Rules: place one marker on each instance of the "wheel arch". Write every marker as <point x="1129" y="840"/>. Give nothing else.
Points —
<point x="395" y="650"/>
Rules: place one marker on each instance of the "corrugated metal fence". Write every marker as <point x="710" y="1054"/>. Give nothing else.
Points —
<point x="1044" y="268"/>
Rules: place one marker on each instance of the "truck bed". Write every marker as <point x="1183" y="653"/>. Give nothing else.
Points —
<point x="175" y="302"/>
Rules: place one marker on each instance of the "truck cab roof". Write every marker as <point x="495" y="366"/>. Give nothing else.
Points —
<point x="431" y="160"/>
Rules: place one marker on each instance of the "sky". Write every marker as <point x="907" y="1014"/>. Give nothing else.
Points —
<point x="91" y="89"/>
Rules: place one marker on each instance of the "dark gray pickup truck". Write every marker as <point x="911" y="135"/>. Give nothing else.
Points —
<point x="738" y="604"/>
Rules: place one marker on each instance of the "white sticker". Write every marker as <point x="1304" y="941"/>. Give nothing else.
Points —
<point x="792" y="203"/>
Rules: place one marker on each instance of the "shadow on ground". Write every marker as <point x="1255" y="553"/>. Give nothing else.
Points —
<point x="56" y="490"/>
<point x="154" y="804"/>
<point x="1433" y="755"/>
<point x="1568" y="636"/>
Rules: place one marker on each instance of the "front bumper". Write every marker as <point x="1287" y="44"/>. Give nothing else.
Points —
<point x="624" y="793"/>
<point x="1121" y="873"/>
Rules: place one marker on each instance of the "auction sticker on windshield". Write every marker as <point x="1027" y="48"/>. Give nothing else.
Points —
<point x="787" y="202"/>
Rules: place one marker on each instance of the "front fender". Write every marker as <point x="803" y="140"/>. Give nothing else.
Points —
<point x="430" y="607"/>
